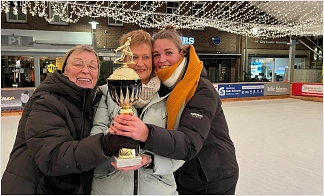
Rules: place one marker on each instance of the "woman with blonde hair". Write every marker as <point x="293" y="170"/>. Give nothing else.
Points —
<point x="197" y="130"/>
<point x="155" y="174"/>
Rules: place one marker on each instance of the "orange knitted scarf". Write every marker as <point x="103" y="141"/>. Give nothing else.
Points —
<point x="186" y="87"/>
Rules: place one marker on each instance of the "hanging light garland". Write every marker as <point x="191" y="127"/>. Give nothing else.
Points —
<point x="266" y="19"/>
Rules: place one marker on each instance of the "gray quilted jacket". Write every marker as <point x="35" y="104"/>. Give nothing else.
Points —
<point x="159" y="180"/>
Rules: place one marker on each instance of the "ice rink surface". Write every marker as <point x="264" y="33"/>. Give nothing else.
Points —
<point x="279" y="145"/>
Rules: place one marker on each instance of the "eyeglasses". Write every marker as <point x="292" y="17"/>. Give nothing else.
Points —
<point x="79" y="65"/>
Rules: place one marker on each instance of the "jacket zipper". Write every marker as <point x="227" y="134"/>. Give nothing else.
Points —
<point x="83" y="105"/>
<point x="204" y="173"/>
<point x="135" y="182"/>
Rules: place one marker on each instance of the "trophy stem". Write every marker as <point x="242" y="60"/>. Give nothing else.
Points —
<point x="125" y="154"/>
<point x="127" y="110"/>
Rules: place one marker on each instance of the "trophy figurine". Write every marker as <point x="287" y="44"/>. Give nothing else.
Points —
<point x="125" y="86"/>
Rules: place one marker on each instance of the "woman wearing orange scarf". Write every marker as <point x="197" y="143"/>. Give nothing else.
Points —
<point x="197" y="130"/>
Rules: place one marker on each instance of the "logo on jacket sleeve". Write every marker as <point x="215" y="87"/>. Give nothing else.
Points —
<point x="195" y="115"/>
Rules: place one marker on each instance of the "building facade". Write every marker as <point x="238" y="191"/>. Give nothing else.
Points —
<point x="32" y="48"/>
<point x="263" y="57"/>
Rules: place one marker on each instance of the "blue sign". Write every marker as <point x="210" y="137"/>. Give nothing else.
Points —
<point x="240" y="90"/>
<point x="216" y="40"/>
<point x="187" y="40"/>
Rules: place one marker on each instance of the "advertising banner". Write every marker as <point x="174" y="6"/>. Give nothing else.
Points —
<point x="14" y="99"/>
<point x="307" y="89"/>
<point x="240" y="90"/>
<point x="276" y="88"/>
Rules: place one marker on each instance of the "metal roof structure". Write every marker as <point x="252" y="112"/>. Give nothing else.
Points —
<point x="307" y="13"/>
<point x="266" y="19"/>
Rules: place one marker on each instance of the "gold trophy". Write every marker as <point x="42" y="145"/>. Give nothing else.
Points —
<point x="125" y="86"/>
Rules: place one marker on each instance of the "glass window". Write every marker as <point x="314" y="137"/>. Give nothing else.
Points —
<point x="56" y="18"/>
<point x="317" y="57"/>
<point x="262" y="68"/>
<point x="16" y="15"/>
<point x="218" y="71"/>
<point x="320" y="57"/>
<point x="48" y="65"/>
<point x="106" y="69"/>
<point x="198" y="11"/>
<point x="117" y="20"/>
<point x="17" y="71"/>
<point x="172" y="7"/>
<point x="147" y="6"/>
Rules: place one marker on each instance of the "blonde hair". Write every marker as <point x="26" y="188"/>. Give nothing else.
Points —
<point x="169" y="32"/>
<point x="80" y="47"/>
<point x="138" y="37"/>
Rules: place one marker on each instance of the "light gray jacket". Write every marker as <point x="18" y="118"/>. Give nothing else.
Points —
<point x="156" y="181"/>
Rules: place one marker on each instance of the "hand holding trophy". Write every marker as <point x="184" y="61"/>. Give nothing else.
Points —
<point x="125" y="86"/>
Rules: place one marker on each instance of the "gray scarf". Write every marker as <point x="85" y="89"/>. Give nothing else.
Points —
<point x="148" y="91"/>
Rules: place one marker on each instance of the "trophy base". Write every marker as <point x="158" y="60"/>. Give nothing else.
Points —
<point x="122" y="162"/>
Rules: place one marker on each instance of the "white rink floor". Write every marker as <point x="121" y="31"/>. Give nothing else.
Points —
<point x="279" y="145"/>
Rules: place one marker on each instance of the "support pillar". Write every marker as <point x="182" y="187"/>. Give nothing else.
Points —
<point x="37" y="70"/>
<point x="292" y="51"/>
<point x="274" y="75"/>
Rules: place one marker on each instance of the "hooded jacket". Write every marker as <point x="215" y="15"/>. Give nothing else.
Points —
<point x="201" y="138"/>
<point x="158" y="180"/>
<point x="52" y="153"/>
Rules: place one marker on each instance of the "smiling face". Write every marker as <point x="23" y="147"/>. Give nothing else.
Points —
<point x="83" y="76"/>
<point x="142" y="56"/>
<point x="165" y="53"/>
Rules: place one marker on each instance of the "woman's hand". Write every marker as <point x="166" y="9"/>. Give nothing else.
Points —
<point x="145" y="161"/>
<point x="129" y="126"/>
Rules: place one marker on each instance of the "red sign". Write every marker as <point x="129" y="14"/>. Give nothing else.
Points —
<point x="307" y="89"/>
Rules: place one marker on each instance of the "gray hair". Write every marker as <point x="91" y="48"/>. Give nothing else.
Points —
<point x="80" y="47"/>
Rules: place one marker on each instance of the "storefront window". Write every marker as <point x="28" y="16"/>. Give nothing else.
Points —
<point x="218" y="71"/>
<point x="17" y="71"/>
<point x="47" y="66"/>
<point x="262" y="68"/>
<point x="106" y="68"/>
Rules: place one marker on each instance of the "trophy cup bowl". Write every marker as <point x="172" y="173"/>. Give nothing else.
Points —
<point x="125" y="86"/>
<point x="124" y="92"/>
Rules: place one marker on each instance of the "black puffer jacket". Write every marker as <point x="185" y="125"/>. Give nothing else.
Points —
<point x="203" y="141"/>
<point x="52" y="153"/>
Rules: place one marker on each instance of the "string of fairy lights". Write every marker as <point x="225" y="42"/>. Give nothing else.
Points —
<point x="267" y="19"/>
